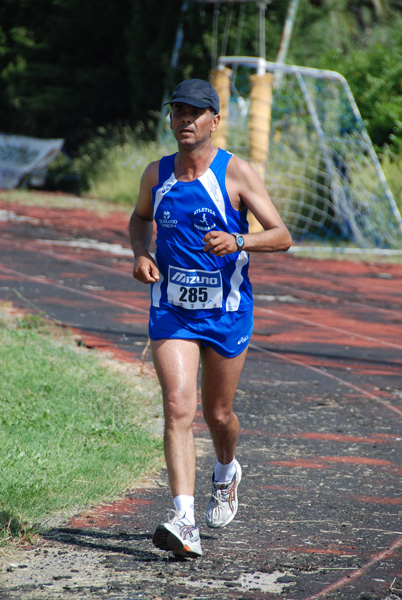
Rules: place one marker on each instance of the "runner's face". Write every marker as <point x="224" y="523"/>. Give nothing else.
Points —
<point x="191" y="125"/>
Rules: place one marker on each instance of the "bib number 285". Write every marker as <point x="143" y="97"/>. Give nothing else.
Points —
<point x="193" y="294"/>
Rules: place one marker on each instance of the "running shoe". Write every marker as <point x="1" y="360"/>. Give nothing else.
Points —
<point x="223" y="505"/>
<point x="179" y="535"/>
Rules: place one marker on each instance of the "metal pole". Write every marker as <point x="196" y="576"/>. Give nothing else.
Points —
<point x="238" y="38"/>
<point x="287" y="31"/>
<point x="215" y="36"/>
<point x="227" y="30"/>
<point x="261" y="10"/>
<point x="285" y="41"/>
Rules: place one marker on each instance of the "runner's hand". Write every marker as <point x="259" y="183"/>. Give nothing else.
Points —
<point x="145" y="270"/>
<point x="219" y="243"/>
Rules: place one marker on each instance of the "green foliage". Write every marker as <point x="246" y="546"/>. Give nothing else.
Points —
<point x="374" y="73"/>
<point x="63" y="67"/>
<point x="363" y="42"/>
<point x="153" y="27"/>
<point x="111" y="164"/>
<point x="68" y="68"/>
<point x="328" y="26"/>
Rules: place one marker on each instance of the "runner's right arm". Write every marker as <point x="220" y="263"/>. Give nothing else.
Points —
<point x="141" y="228"/>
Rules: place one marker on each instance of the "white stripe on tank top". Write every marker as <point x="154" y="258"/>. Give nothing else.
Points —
<point x="233" y="299"/>
<point x="212" y="187"/>
<point x="164" y="189"/>
<point x="160" y="192"/>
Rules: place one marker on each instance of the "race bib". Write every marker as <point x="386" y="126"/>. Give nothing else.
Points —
<point x="194" y="289"/>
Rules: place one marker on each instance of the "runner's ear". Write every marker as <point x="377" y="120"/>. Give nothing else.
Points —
<point x="215" y="123"/>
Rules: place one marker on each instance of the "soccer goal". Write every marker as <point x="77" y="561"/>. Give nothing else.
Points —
<point x="320" y="167"/>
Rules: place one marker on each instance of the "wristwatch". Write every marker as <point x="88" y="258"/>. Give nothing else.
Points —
<point x="239" y="241"/>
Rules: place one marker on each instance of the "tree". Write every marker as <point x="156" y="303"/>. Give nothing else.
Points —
<point x="336" y="25"/>
<point x="63" y="67"/>
<point x="68" y="67"/>
<point x="374" y="73"/>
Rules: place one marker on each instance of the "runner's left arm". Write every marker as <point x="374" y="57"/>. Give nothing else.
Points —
<point x="246" y="189"/>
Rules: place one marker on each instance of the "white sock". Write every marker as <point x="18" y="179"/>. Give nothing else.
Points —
<point x="185" y="503"/>
<point x="224" y="473"/>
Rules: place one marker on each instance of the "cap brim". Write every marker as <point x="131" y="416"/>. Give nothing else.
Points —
<point x="196" y="103"/>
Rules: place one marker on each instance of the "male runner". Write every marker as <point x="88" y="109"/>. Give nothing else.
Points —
<point x="201" y="299"/>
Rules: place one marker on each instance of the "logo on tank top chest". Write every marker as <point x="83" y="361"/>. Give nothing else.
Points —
<point x="166" y="220"/>
<point x="204" y="219"/>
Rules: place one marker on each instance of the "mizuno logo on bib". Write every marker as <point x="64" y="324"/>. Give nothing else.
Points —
<point x="194" y="289"/>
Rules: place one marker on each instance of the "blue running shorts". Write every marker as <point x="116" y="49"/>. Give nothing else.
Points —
<point x="228" y="334"/>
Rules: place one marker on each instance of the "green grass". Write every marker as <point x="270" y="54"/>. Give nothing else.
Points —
<point x="111" y="165"/>
<point x="74" y="430"/>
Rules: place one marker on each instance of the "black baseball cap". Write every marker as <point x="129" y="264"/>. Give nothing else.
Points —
<point x="196" y="92"/>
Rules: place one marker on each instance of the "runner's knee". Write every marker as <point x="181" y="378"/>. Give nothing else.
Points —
<point x="179" y="410"/>
<point x="218" y="417"/>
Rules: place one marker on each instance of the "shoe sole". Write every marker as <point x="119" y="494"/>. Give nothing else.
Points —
<point x="212" y="525"/>
<point x="164" y="539"/>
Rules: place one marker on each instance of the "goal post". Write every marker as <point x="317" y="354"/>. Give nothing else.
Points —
<point x="321" y="169"/>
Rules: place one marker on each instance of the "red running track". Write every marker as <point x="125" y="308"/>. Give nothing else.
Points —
<point x="320" y="400"/>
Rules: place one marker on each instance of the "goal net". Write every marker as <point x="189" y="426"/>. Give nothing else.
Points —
<point x="322" y="171"/>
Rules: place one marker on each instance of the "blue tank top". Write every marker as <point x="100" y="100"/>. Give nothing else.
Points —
<point x="191" y="280"/>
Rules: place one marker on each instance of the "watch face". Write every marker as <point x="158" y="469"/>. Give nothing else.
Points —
<point x="240" y="241"/>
